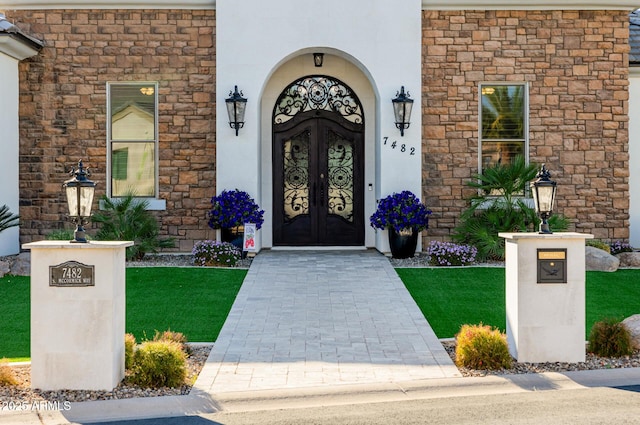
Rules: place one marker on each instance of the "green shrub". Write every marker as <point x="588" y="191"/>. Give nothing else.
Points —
<point x="499" y="207"/>
<point x="610" y="338"/>
<point x="177" y="337"/>
<point x="127" y="219"/>
<point x="496" y="208"/>
<point x="481" y="347"/>
<point x="480" y="228"/>
<point x="129" y="348"/>
<point x="61" y="235"/>
<point x="159" y="364"/>
<point x="599" y="244"/>
<point x="7" y="376"/>
<point x="557" y="223"/>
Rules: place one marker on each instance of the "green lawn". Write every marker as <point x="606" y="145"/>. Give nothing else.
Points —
<point x="451" y="297"/>
<point x="194" y="301"/>
<point x="14" y="317"/>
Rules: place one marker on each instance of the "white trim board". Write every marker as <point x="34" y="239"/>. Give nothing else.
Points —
<point x="426" y="4"/>
<point x="106" y="4"/>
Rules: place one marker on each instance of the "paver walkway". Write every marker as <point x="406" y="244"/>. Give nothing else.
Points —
<point x="315" y="318"/>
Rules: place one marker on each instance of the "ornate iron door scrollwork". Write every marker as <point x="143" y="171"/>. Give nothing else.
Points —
<point x="296" y="176"/>
<point x="318" y="146"/>
<point x="318" y="93"/>
<point x="340" y="176"/>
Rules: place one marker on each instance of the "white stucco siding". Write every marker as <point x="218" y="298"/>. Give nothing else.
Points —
<point x="9" y="190"/>
<point x="634" y="157"/>
<point x="380" y="41"/>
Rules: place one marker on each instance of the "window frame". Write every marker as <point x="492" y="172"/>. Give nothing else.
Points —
<point x="154" y="202"/>
<point x="524" y="140"/>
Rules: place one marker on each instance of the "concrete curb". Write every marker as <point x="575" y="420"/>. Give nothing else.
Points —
<point x="202" y="403"/>
<point x="197" y="402"/>
<point x="425" y="389"/>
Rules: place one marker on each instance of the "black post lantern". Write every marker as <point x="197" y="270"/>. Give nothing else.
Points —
<point x="79" y="190"/>
<point x="402" y="110"/>
<point x="236" y="105"/>
<point x="544" y="194"/>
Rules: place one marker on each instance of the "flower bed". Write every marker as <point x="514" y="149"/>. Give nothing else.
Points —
<point x="451" y="254"/>
<point x="215" y="253"/>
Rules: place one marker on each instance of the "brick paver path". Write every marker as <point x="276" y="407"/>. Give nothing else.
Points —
<point x="316" y="318"/>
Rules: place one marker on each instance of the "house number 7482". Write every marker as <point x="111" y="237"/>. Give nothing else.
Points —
<point x="71" y="273"/>
<point x="402" y="146"/>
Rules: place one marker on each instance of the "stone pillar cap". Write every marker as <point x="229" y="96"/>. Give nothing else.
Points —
<point x="67" y="244"/>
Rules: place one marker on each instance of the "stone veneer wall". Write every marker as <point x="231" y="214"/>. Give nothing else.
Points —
<point x="576" y="63"/>
<point x="63" y="108"/>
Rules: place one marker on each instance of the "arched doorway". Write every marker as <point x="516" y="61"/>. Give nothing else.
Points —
<point x="318" y="164"/>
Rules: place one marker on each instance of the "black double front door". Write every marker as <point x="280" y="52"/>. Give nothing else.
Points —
<point x="318" y="182"/>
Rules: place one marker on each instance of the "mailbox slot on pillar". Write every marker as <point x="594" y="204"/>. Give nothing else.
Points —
<point x="552" y="266"/>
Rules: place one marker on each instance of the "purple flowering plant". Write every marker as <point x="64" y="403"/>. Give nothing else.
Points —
<point x="618" y="246"/>
<point x="234" y="208"/>
<point x="215" y="253"/>
<point x="401" y="211"/>
<point x="451" y="254"/>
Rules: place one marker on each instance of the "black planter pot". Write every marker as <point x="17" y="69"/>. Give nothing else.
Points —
<point x="403" y="244"/>
<point x="235" y="236"/>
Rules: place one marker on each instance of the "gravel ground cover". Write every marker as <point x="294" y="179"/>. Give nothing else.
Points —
<point x="176" y="260"/>
<point x="592" y="362"/>
<point x="421" y="259"/>
<point x="22" y="394"/>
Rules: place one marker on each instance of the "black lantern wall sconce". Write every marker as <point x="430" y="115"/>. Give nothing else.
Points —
<point x="402" y="105"/>
<point x="236" y="105"/>
<point x="544" y="190"/>
<point x="80" y="191"/>
<point x="318" y="59"/>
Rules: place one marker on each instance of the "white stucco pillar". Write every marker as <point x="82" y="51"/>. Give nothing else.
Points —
<point x="77" y="314"/>
<point x="545" y="296"/>
<point x="9" y="143"/>
<point x="634" y="156"/>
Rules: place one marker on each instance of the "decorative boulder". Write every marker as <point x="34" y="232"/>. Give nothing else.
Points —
<point x="599" y="260"/>
<point x="633" y="324"/>
<point x="22" y="265"/>
<point x="629" y="259"/>
<point x="4" y="268"/>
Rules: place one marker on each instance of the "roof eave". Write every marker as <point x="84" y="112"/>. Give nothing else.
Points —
<point x="18" y="46"/>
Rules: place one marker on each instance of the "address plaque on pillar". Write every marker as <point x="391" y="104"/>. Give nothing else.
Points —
<point x="71" y="274"/>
